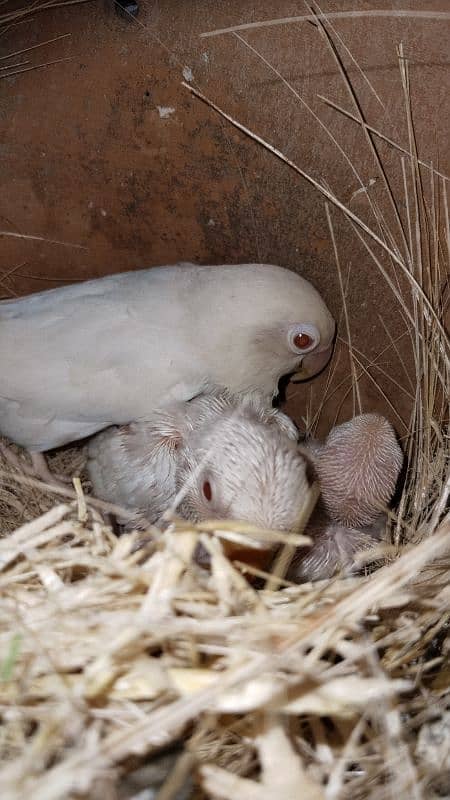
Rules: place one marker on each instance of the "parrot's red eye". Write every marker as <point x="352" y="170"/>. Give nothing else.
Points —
<point x="207" y="491"/>
<point x="303" y="338"/>
<point x="302" y="341"/>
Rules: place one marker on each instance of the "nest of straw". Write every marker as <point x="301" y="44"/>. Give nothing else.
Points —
<point x="127" y="671"/>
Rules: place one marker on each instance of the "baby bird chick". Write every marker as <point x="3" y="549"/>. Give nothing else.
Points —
<point x="334" y="548"/>
<point x="357" y="468"/>
<point x="217" y="456"/>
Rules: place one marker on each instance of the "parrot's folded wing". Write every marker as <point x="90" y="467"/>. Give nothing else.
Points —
<point x="62" y="380"/>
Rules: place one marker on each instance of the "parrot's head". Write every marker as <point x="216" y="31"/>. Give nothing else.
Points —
<point x="240" y="468"/>
<point x="262" y="322"/>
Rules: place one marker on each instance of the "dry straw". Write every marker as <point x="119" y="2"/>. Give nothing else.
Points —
<point x="10" y="16"/>
<point x="15" y="16"/>
<point x="128" y="671"/>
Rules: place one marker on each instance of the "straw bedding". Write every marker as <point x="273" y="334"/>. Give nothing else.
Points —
<point x="127" y="671"/>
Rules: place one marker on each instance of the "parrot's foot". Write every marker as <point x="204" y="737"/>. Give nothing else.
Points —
<point x="38" y="469"/>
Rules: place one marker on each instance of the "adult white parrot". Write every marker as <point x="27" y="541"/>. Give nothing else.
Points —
<point x="77" y="359"/>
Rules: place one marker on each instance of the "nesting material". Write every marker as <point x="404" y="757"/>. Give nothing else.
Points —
<point x="23" y="499"/>
<point x="111" y="653"/>
<point x="126" y="669"/>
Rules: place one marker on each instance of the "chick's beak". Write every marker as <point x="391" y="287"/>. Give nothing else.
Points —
<point x="313" y="363"/>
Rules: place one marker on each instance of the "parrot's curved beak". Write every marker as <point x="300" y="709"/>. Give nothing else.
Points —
<point x="313" y="363"/>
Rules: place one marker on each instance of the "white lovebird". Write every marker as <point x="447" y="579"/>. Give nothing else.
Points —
<point x="77" y="359"/>
<point x="218" y="456"/>
<point x="109" y="351"/>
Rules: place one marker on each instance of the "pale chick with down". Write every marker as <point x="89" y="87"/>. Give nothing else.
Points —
<point x="221" y="456"/>
<point x="357" y="467"/>
<point x="216" y="457"/>
<point x="77" y="359"/>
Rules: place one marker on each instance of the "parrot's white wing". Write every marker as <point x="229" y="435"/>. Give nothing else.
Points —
<point x="61" y="378"/>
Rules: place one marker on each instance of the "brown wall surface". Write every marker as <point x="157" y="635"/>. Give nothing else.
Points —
<point x="89" y="157"/>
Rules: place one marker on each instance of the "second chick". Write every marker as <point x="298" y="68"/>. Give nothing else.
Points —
<point x="218" y="456"/>
<point x="357" y="467"/>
